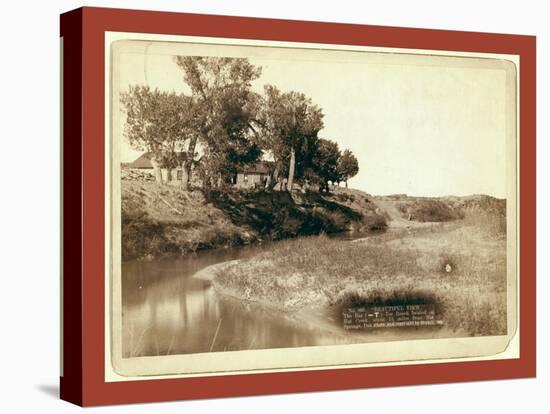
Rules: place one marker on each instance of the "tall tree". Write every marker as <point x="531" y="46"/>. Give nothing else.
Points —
<point x="324" y="167"/>
<point x="157" y="122"/>
<point x="224" y="108"/>
<point x="348" y="167"/>
<point x="290" y="123"/>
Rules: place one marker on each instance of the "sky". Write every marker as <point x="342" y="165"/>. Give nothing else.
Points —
<point x="418" y="125"/>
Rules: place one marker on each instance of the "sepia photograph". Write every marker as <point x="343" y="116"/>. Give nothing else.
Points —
<point x="280" y="206"/>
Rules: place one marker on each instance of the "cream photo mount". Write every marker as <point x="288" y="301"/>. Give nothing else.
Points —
<point x="421" y="351"/>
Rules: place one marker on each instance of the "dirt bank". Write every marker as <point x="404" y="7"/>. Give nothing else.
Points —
<point x="164" y="220"/>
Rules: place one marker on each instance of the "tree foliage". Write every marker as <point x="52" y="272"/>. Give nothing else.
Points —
<point x="324" y="167"/>
<point x="158" y="122"/>
<point x="232" y="126"/>
<point x="221" y="90"/>
<point x="348" y="166"/>
<point x="289" y="123"/>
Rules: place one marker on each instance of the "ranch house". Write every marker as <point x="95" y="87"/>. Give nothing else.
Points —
<point x="250" y="176"/>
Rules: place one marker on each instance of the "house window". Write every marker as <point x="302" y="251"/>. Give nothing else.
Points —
<point x="180" y="175"/>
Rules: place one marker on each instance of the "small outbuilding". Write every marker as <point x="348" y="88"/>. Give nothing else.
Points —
<point x="253" y="176"/>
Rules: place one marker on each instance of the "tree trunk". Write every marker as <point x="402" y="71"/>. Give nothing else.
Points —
<point x="168" y="175"/>
<point x="205" y="180"/>
<point x="291" y="170"/>
<point x="157" y="171"/>
<point x="185" y="169"/>
<point x="346" y="183"/>
<point x="274" y="180"/>
<point x="186" y="166"/>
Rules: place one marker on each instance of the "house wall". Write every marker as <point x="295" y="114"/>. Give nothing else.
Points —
<point x="176" y="178"/>
<point x="164" y="172"/>
<point x="253" y="179"/>
<point x="145" y="171"/>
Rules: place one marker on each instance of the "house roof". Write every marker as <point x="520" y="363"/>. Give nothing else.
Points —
<point x="261" y="167"/>
<point x="257" y="168"/>
<point x="143" y="161"/>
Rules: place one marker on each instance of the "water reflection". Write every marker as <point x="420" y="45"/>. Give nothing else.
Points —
<point x="167" y="311"/>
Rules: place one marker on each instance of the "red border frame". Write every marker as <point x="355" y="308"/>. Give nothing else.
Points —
<point x="83" y="31"/>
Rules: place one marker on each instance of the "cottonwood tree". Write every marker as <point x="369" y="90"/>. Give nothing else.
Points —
<point x="348" y="167"/>
<point x="290" y="123"/>
<point x="324" y="167"/>
<point x="158" y="122"/>
<point x="225" y="107"/>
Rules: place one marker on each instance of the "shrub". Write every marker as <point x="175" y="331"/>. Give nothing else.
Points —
<point x="429" y="210"/>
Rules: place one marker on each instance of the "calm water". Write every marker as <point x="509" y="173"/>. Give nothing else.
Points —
<point x="167" y="311"/>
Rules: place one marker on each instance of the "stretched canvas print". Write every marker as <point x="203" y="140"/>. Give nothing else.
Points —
<point x="269" y="197"/>
<point x="275" y="207"/>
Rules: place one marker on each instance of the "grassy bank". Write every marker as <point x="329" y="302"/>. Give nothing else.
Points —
<point x="164" y="220"/>
<point x="460" y="266"/>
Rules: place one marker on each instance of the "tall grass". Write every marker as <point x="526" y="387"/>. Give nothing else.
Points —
<point x="493" y="225"/>
<point x="461" y="272"/>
